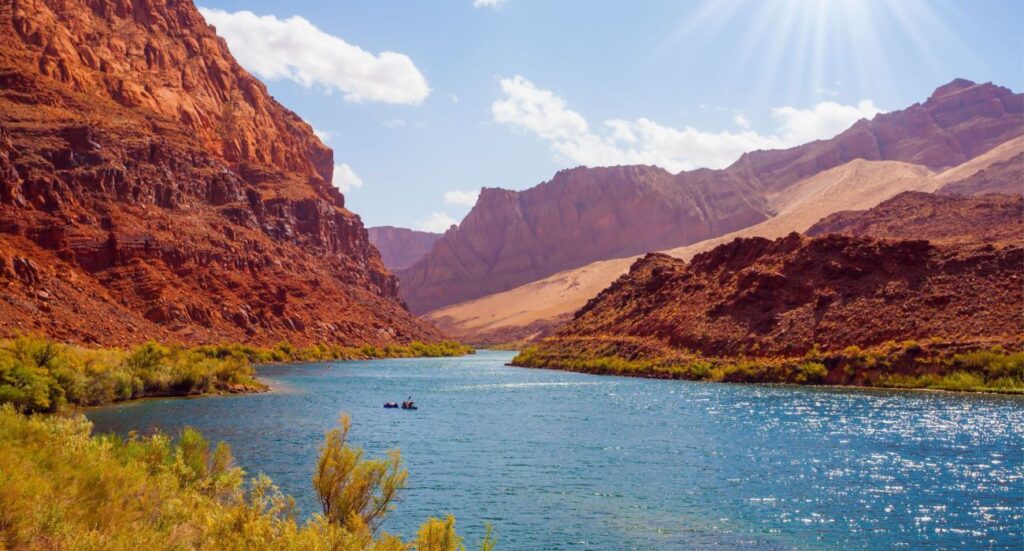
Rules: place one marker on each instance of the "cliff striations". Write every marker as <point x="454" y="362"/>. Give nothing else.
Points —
<point x="150" y="188"/>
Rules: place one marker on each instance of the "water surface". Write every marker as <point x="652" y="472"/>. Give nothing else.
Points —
<point x="561" y="460"/>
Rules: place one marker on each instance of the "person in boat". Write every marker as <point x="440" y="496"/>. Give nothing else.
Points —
<point x="408" y="403"/>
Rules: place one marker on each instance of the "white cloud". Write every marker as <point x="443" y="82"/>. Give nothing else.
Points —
<point x="527" y="108"/>
<point x="437" y="222"/>
<point x="297" y="50"/>
<point x="824" y="120"/>
<point x="741" y="121"/>
<point x="461" y="198"/>
<point x="488" y="3"/>
<point x="539" y="111"/>
<point x="324" y="135"/>
<point x="346" y="179"/>
<point x="394" y="123"/>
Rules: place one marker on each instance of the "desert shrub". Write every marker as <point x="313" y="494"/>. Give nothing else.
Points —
<point x="810" y="372"/>
<point x="62" y="488"/>
<point x="39" y="375"/>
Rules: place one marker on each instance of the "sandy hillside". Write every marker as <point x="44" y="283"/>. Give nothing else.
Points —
<point x="856" y="185"/>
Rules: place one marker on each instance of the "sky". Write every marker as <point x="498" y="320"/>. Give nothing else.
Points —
<point x="424" y="102"/>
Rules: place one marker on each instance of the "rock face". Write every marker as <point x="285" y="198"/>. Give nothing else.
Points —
<point x="150" y="188"/>
<point x="960" y="121"/>
<point x="938" y="218"/>
<point x="759" y="298"/>
<point x="582" y="215"/>
<point x="401" y="247"/>
<point x="1006" y="177"/>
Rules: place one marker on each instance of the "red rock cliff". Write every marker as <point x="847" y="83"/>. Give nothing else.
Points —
<point x="150" y="188"/>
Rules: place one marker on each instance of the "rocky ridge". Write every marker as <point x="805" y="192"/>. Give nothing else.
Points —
<point x="756" y="297"/>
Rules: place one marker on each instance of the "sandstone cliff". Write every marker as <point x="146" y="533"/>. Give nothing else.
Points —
<point x="150" y="188"/>
<point x="401" y="247"/>
<point x="584" y="215"/>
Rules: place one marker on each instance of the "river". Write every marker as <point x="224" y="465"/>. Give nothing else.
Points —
<point x="559" y="460"/>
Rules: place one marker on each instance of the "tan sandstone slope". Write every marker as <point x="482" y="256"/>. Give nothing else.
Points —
<point x="531" y="309"/>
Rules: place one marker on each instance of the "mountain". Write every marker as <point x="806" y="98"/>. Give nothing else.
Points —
<point x="401" y="247"/>
<point x="579" y="216"/>
<point x="1005" y="177"/>
<point x="991" y="218"/>
<point x="592" y="214"/>
<point x="531" y="311"/>
<point x="755" y="297"/>
<point x="151" y="188"/>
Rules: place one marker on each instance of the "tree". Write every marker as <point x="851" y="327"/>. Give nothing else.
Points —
<point x="356" y="493"/>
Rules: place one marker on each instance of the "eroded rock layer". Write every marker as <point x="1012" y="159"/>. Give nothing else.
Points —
<point x="150" y="188"/>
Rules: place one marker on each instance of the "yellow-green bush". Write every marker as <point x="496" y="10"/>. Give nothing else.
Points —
<point x="61" y="488"/>
<point x="901" y="365"/>
<point x="37" y="374"/>
<point x="40" y="375"/>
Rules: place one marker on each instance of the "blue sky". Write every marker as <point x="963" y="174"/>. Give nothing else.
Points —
<point x="506" y="92"/>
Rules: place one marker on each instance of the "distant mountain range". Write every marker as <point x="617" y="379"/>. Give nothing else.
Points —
<point x="401" y="247"/>
<point x="151" y="188"/>
<point x="962" y="128"/>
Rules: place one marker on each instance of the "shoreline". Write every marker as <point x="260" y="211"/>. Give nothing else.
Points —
<point x="266" y="388"/>
<point x="1009" y="393"/>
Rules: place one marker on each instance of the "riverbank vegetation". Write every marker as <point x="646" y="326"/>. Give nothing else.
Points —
<point x="63" y="488"/>
<point x="933" y="364"/>
<point x="40" y="375"/>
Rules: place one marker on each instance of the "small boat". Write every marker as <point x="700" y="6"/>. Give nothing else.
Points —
<point x="409" y="406"/>
<point x="391" y="405"/>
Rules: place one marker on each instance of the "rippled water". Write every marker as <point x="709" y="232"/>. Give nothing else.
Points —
<point x="567" y="461"/>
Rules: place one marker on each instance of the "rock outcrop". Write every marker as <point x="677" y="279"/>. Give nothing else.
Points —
<point x="151" y="188"/>
<point x="760" y="298"/>
<point x="583" y="215"/>
<point x="401" y="247"/>
<point x="992" y="218"/>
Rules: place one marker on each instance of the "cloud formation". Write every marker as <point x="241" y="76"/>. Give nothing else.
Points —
<point x="297" y="50"/>
<point x="346" y="179"/>
<point x="461" y="198"/>
<point x="437" y="222"/>
<point x="527" y="108"/>
<point x="324" y="135"/>
<point x="488" y="3"/>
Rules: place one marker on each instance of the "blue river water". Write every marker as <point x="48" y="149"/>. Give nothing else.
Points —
<point x="561" y="460"/>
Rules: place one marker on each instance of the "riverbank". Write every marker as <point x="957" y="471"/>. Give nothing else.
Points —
<point x="41" y="375"/>
<point x="932" y="365"/>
